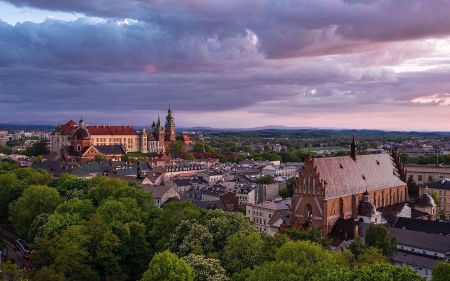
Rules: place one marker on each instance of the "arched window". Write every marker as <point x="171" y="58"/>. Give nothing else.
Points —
<point x="308" y="212"/>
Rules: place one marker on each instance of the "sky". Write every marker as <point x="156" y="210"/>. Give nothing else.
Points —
<point x="369" y="64"/>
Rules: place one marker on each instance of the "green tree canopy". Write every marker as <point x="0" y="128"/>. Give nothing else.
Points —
<point x="441" y="272"/>
<point x="191" y="237"/>
<point x="242" y="251"/>
<point x="166" y="266"/>
<point x="378" y="236"/>
<point x="176" y="147"/>
<point x="206" y="269"/>
<point x="265" y="180"/>
<point x="100" y="158"/>
<point x="35" y="200"/>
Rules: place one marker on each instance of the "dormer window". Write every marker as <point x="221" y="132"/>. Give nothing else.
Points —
<point x="340" y="165"/>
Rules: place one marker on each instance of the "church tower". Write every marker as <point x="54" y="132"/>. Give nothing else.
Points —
<point x="170" y="126"/>
<point x="159" y="130"/>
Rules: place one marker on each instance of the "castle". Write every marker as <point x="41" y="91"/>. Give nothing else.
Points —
<point x="78" y="138"/>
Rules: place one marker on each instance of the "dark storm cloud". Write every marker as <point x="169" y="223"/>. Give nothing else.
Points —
<point x="222" y="55"/>
<point x="284" y="28"/>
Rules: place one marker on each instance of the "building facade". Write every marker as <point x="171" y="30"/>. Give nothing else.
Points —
<point x="155" y="140"/>
<point x="442" y="189"/>
<point x="331" y="188"/>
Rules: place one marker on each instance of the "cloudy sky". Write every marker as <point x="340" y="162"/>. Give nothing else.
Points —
<point x="228" y="63"/>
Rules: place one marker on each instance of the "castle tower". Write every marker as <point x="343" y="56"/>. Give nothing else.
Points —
<point x="353" y="149"/>
<point x="159" y="130"/>
<point x="143" y="141"/>
<point x="170" y="126"/>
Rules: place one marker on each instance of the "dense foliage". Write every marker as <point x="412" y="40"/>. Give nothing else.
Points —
<point x="108" y="229"/>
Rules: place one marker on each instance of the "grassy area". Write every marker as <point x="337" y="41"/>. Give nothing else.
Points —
<point x="325" y="148"/>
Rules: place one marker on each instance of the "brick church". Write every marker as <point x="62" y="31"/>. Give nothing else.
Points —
<point x="340" y="187"/>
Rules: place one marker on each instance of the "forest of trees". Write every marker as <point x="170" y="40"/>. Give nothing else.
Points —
<point x="108" y="229"/>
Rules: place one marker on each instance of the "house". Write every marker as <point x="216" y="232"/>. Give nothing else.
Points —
<point x="442" y="189"/>
<point x="262" y="213"/>
<point x="210" y="176"/>
<point x="160" y="193"/>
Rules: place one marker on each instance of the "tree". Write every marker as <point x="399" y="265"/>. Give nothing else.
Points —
<point x="4" y="149"/>
<point x="200" y="145"/>
<point x="370" y="256"/>
<point x="47" y="274"/>
<point x="38" y="148"/>
<point x="35" y="200"/>
<point x="372" y="272"/>
<point x="241" y="252"/>
<point x="167" y="266"/>
<point x="265" y="180"/>
<point x="357" y="247"/>
<point x="191" y="237"/>
<point x="314" y="235"/>
<point x="289" y="190"/>
<point x="100" y="158"/>
<point x="206" y="269"/>
<point x="247" y="149"/>
<point x="413" y="188"/>
<point x="378" y="236"/>
<point x="171" y="215"/>
<point x="223" y="225"/>
<point x="176" y="147"/>
<point x="435" y="196"/>
<point x="301" y="260"/>
<point x="58" y="222"/>
<point x="12" y="270"/>
<point x="441" y="272"/>
<point x="189" y="157"/>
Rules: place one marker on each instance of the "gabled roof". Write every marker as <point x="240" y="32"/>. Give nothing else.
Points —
<point x="157" y="191"/>
<point x="344" y="176"/>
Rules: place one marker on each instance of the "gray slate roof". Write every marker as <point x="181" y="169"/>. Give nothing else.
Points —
<point x="421" y="240"/>
<point x="415" y="260"/>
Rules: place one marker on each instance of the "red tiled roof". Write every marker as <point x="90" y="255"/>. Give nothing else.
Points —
<point x="186" y="138"/>
<point x="71" y="126"/>
<point x="111" y="130"/>
<point x="71" y="122"/>
<point x="370" y="172"/>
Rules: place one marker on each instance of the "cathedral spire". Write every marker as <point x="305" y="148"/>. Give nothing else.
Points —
<point x="353" y="149"/>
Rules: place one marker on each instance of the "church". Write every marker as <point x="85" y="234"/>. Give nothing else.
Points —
<point x="333" y="188"/>
<point x="102" y="136"/>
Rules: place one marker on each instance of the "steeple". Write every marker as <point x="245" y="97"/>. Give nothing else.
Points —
<point x="353" y="149"/>
<point x="81" y="122"/>
<point x="169" y="118"/>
